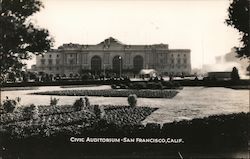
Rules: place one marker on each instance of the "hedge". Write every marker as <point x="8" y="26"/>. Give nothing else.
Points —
<point x="113" y="93"/>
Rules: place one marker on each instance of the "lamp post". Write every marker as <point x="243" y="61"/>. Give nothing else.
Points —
<point x="120" y="60"/>
<point x="104" y="71"/>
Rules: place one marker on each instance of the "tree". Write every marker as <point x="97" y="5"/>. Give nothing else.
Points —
<point x="238" y="17"/>
<point x="132" y="100"/>
<point x="19" y="36"/>
<point x="235" y="74"/>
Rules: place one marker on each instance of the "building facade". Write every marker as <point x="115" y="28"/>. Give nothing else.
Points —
<point x="112" y="55"/>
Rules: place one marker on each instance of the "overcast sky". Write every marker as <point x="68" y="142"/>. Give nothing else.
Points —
<point x="183" y="24"/>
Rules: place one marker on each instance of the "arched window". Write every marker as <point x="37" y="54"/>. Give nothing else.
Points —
<point x="96" y="63"/>
<point x="117" y="64"/>
<point x="138" y="63"/>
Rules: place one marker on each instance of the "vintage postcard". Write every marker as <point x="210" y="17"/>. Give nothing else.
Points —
<point x="124" y="79"/>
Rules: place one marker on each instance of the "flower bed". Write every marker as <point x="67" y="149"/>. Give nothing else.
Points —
<point x="7" y="118"/>
<point x="127" y="115"/>
<point x="114" y="93"/>
<point x="48" y="124"/>
<point x="57" y="116"/>
<point x="148" y="85"/>
<point x="57" y="119"/>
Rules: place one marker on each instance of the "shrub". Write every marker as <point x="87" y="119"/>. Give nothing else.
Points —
<point x="132" y="100"/>
<point x="79" y="104"/>
<point x="9" y="105"/>
<point x="235" y="74"/>
<point x="113" y="86"/>
<point x="168" y="84"/>
<point x="130" y="86"/>
<point x="171" y="84"/>
<point x="99" y="111"/>
<point x="139" y="85"/>
<point x="154" y="85"/>
<point x="87" y="101"/>
<point x="177" y="84"/>
<point x="31" y="112"/>
<point x="53" y="101"/>
<point x="153" y="129"/>
<point x="87" y="104"/>
<point x="123" y="86"/>
<point x="1" y="109"/>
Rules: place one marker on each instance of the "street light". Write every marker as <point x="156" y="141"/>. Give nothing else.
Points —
<point x="104" y="71"/>
<point x="120" y="59"/>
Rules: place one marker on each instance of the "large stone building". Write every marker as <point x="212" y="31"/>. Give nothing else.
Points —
<point x="111" y="55"/>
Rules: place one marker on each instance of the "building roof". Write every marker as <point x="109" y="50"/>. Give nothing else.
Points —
<point x="110" y="40"/>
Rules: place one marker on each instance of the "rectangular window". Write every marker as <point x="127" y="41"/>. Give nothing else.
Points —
<point x="185" y="61"/>
<point x="43" y="61"/>
<point x="161" y="61"/>
<point x="178" y="61"/>
<point x="71" y="61"/>
<point x="172" y="61"/>
<point x="106" y="58"/>
<point x="50" y="62"/>
<point x="127" y="58"/>
<point x="57" y="61"/>
<point x="85" y="58"/>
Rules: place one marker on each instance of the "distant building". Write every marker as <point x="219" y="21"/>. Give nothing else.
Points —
<point x="112" y="55"/>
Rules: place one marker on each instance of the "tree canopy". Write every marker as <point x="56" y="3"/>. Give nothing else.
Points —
<point x="238" y="17"/>
<point x="19" y="36"/>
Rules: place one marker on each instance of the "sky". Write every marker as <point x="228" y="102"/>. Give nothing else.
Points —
<point x="198" y="25"/>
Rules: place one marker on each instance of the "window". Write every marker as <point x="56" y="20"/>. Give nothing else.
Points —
<point x="71" y="61"/>
<point x="57" y="55"/>
<point x="42" y="56"/>
<point x="178" y="61"/>
<point x="50" y="56"/>
<point x="85" y="58"/>
<point x="57" y="61"/>
<point x="43" y="61"/>
<point x="50" y="61"/>
<point x="172" y="61"/>
<point x="185" y="61"/>
<point x="57" y="68"/>
<point x="50" y="68"/>
<point x="106" y="58"/>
